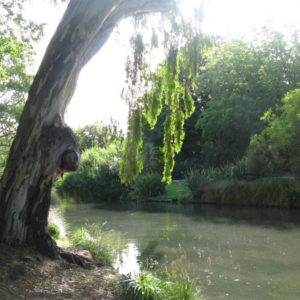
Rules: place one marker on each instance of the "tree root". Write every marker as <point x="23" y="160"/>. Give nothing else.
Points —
<point x="79" y="260"/>
<point x="49" y="248"/>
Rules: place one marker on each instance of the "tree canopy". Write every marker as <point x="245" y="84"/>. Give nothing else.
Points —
<point x="17" y="36"/>
<point x="278" y="144"/>
<point x="235" y="83"/>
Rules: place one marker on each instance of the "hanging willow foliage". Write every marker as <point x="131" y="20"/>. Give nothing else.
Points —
<point x="177" y="91"/>
<point x="131" y="161"/>
<point x="172" y="87"/>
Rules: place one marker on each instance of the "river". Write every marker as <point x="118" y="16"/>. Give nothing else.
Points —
<point x="232" y="253"/>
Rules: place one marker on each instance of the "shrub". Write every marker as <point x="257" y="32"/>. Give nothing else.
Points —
<point x="148" y="185"/>
<point x="97" y="178"/>
<point x="196" y="181"/>
<point x="257" y="162"/>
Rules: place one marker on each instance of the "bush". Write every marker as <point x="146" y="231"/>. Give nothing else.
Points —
<point x="148" y="185"/>
<point x="97" y="178"/>
<point x="196" y="181"/>
<point x="256" y="163"/>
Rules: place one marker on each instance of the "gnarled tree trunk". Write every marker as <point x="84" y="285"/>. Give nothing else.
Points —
<point x="44" y="146"/>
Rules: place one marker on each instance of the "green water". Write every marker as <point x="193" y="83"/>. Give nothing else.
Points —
<point x="232" y="253"/>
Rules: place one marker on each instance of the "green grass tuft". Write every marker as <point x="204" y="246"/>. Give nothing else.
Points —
<point x="149" y="285"/>
<point x="103" y="244"/>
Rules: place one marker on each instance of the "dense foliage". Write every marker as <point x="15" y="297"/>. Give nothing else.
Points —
<point x="243" y="80"/>
<point x="131" y="161"/>
<point x="276" y="149"/>
<point x="97" y="177"/>
<point x="236" y="83"/>
<point x="148" y="185"/>
<point x="172" y="88"/>
<point x="98" y="135"/>
<point x="17" y="37"/>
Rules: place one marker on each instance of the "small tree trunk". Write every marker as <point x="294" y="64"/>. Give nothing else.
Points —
<point x="44" y="146"/>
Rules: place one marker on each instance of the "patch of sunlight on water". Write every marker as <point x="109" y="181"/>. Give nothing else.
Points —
<point x="127" y="261"/>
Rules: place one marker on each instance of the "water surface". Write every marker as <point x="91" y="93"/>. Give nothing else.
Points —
<point x="232" y="253"/>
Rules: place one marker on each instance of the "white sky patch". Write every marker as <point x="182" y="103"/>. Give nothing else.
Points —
<point x="235" y="18"/>
<point x="98" y="93"/>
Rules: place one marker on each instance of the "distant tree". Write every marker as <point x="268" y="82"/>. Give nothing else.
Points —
<point x="17" y="37"/>
<point x="99" y="135"/>
<point x="277" y="147"/>
<point x="243" y="80"/>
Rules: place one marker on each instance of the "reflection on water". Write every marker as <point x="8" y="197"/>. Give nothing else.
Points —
<point x="233" y="253"/>
<point x="127" y="261"/>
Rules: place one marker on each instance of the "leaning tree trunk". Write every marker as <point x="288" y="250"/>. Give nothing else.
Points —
<point x="44" y="146"/>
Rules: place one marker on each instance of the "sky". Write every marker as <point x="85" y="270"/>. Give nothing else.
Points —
<point x="98" y="92"/>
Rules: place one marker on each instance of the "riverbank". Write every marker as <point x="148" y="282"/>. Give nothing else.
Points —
<point x="282" y="192"/>
<point x="25" y="274"/>
<point x="263" y="192"/>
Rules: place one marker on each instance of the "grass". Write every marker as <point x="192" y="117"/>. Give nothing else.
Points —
<point x="150" y="285"/>
<point x="176" y="190"/>
<point x="103" y="244"/>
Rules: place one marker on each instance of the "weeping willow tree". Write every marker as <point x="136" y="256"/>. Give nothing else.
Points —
<point x="171" y="86"/>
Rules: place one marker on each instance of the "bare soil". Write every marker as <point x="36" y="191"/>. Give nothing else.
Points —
<point x="25" y="274"/>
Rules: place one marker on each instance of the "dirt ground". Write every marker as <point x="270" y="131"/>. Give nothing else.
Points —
<point x="25" y="274"/>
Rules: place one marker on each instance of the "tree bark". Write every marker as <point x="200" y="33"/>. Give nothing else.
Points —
<point x="44" y="146"/>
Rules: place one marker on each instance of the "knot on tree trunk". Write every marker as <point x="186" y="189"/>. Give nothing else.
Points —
<point x="69" y="161"/>
<point x="60" y="146"/>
